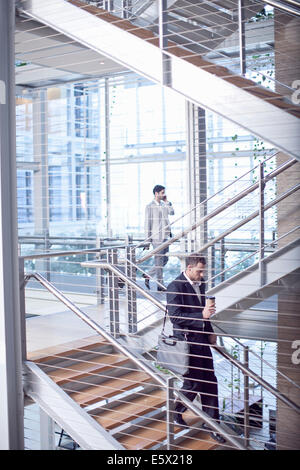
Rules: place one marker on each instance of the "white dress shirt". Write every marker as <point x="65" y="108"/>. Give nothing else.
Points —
<point x="196" y="286"/>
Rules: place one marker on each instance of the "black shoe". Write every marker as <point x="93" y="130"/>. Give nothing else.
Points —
<point x="161" y="289"/>
<point x="217" y="437"/>
<point x="205" y="427"/>
<point x="147" y="281"/>
<point x="178" y="419"/>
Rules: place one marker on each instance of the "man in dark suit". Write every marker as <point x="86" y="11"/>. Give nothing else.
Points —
<point x="190" y="318"/>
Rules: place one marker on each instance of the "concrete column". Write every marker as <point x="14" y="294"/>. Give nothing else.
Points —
<point x="11" y="402"/>
<point x="107" y="160"/>
<point x="197" y="171"/>
<point x="40" y="178"/>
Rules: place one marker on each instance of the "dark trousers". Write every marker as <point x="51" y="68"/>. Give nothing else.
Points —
<point x="201" y="379"/>
<point x="160" y="260"/>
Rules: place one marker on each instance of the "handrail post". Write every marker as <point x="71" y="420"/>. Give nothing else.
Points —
<point x="212" y="266"/>
<point x="170" y="412"/>
<point x="242" y="37"/>
<point x="222" y="258"/>
<point x="113" y="295"/>
<point x="246" y="397"/>
<point x="184" y="248"/>
<point x="22" y="308"/>
<point x="261" y="223"/>
<point x="126" y="9"/>
<point x="99" y="274"/>
<point x="130" y="271"/>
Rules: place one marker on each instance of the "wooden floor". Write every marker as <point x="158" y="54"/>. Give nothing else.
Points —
<point x="51" y="324"/>
<point x="78" y="365"/>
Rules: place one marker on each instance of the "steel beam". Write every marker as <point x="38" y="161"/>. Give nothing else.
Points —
<point x="11" y="403"/>
<point x="66" y="412"/>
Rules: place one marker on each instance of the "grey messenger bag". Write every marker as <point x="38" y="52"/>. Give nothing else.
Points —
<point x="172" y="353"/>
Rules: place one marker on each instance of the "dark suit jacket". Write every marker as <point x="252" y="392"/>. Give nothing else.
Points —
<point x="185" y="310"/>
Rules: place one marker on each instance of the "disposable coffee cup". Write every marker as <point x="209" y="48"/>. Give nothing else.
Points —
<point x="210" y="300"/>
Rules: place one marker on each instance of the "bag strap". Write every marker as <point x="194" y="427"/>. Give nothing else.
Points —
<point x="164" y="324"/>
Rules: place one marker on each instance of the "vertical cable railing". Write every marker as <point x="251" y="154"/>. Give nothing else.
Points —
<point x="142" y="364"/>
<point x="202" y="30"/>
<point x="244" y="368"/>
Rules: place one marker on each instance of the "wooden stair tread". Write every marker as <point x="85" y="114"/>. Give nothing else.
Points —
<point x="83" y="369"/>
<point x="200" y="441"/>
<point x="43" y="355"/>
<point x="146" y="436"/>
<point x="192" y="57"/>
<point x="109" y="388"/>
<point x="125" y="412"/>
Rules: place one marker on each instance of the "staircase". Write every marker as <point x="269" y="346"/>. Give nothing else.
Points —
<point x="280" y="272"/>
<point x="198" y="26"/>
<point x="259" y="110"/>
<point x="93" y="391"/>
<point x="101" y="399"/>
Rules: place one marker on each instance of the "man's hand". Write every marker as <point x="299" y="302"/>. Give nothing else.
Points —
<point x="208" y="311"/>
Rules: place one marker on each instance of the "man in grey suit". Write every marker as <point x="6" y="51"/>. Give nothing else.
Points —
<point x="157" y="231"/>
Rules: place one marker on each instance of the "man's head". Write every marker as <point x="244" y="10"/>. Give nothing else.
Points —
<point x="195" y="267"/>
<point x="159" y="192"/>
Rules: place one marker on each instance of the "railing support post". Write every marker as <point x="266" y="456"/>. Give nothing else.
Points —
<point x="130" y="272"/>
<point x="222" y="258"/>
<point x="261" y="223"/>
<point x="100" y="277"/>
<point x="113" y="295"/>
<point x="246" y="398"/>
<point x="22" y="308"/>
<point x="170" y="412"/>
<point x="212" y="266"/>
<point x="126" y="8"/>
<point x="242" y="38"/>
<point x="108" y="5"/>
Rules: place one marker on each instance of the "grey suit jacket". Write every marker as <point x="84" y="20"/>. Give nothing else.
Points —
<point x="157" y="225"/>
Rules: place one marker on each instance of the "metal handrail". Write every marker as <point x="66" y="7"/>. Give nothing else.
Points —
<point x="51" y="288"/>
<point x="226" y="335"/>
<point x="221" y="208"/>
<point x="258" y="379"/>
<point x="289" y="6"/>
<point x="256" y="252"/>
<point x="197" y="206"/>
<point x="100" y="250"/>
<point x="249" y="218"/>
<point x="121" y="275"/>
<point x="240" y="366"/>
